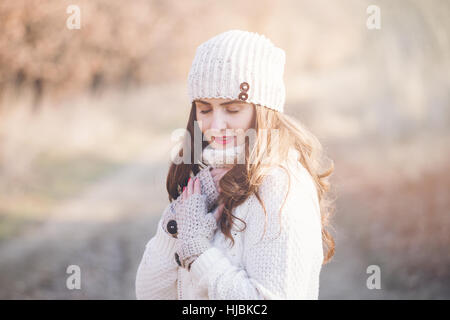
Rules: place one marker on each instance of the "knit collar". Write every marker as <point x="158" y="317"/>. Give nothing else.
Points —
<point x="221" y="157"/>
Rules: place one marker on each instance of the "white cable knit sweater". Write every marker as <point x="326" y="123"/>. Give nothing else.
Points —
<point x="281" y="265"/>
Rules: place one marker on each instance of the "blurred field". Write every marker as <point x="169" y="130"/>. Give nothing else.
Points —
<point x="86" y="117"/>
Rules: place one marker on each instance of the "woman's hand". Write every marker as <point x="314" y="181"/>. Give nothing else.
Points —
<point x="190" y="221"/>
<point x="217" y="174"/>
<point x="209" y="184"/>
<point x="218" y="212"/>
<point x="195" y="225"/>
<point x="193" y="187"/>
<point x="208" y="187"/>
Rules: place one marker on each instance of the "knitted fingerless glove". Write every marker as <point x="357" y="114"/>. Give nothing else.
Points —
<point x="208" y="188"/>
<point x="169" y="224"/>
<point x="196" y="228"/>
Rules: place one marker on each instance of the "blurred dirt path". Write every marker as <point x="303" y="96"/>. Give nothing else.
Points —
<point x="103" y="230"/>
<point x="345" y="276"/>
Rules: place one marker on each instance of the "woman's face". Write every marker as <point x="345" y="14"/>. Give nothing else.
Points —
<point x="219" y="118"/>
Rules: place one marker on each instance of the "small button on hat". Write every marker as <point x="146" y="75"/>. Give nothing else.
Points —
<point x="244" y="88"/>
<point x="240" y="65"/>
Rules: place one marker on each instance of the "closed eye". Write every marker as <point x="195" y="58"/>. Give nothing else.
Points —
<point x="228" y="110"/>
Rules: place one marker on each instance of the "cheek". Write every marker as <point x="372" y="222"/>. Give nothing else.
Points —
<point x="246" y="120"/>
<point x="242" y="124"/>
<point x="203" y="121"/>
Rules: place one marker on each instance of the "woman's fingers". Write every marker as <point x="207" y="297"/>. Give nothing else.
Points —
<point x="190" y="187"/>
<point x="197" y="189"/>
<point x="214" y="172"/>
<point x="186" y="190"/>
<point x="216" y="179"/>
<point x="218" y="212"/>
<point x="217" y="174"/>
<point x="194" y="184"/>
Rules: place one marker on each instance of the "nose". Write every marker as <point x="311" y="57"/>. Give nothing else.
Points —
<point x="218" y="124"/>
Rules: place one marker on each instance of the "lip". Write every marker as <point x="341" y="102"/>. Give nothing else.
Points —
<point x="223" y="139"/>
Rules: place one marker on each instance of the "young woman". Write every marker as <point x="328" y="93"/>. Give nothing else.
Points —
<point x="248" y="214"/>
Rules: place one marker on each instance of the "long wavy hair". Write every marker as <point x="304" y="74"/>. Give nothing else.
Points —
<point x="243" y="180"/>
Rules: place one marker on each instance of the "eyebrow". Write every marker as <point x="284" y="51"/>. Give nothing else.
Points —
<point x="223" y="103"/>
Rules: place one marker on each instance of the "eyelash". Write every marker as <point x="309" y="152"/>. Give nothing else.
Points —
<point x="203" y="111"/>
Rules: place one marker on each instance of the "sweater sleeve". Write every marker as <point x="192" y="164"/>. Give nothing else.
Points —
<point x="157" y="273"/>
<point x="280" y="263"/>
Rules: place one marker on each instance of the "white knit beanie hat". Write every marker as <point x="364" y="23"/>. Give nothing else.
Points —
<point x="239" y="65"/>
